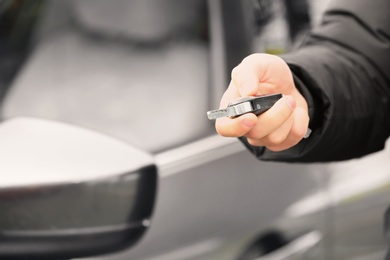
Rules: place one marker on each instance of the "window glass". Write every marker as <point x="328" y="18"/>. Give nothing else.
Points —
<point x="135" y="70"/>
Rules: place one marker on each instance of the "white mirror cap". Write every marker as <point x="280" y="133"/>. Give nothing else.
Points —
<point x="37" y="152"/>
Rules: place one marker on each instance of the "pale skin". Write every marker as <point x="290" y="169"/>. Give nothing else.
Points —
<point x="282" y="126"/>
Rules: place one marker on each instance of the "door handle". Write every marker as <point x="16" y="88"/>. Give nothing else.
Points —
<point x="296" y="248"/>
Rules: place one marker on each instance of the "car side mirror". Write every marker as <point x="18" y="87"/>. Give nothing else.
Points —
<point x="67" y="192"/>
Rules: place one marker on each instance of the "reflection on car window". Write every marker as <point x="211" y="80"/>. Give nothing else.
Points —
<point x="136" y="70"/>
<point x="14" y="36"/>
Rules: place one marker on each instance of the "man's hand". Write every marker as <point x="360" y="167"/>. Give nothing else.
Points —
<point x="283" y="125"/>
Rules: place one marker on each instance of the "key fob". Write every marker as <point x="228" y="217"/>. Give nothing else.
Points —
<point x="252" y="104"/>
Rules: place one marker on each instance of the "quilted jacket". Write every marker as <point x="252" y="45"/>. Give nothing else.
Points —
<point x="343" y="70"/>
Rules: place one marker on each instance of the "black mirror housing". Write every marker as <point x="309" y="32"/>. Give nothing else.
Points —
<point x="69" y="192"/>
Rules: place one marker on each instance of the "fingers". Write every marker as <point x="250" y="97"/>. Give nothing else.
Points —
<point x="274" y="118"/>
<point x="230" y="94"/>
<point x="257" y="127"/>
<point x="246" y="80"/>
<point x="234" y="127"/>
<point x="276" y="137"/>
<point x="288" y="135"/>
<point x="283" y="125"/>
<point x="260" y="74"/>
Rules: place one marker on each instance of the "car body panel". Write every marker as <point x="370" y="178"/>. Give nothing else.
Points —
<point x="215" y="200"/>
<point x="219" y="194"/>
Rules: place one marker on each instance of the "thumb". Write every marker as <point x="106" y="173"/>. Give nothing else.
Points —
<point x="235" y="127"/>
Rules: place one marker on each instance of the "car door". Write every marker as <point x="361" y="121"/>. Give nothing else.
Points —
<point x="147" y="78"/>
<point x="218" y="202"/>
<point x="360" y="198"/>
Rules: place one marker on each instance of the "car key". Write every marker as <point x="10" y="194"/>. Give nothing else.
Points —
<point x="256" y="105"/>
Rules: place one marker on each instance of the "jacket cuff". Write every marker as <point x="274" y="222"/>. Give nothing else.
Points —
<point x="314" y="104"/>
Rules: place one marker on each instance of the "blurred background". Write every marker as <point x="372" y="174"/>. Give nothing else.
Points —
<point x="121" y="61"/>
<point x="146" y="72"/>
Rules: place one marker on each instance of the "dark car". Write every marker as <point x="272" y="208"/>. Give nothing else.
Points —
<point x="143" y="74"/>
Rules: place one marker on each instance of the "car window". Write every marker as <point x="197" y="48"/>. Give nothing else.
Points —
<point x="136" y="70"/>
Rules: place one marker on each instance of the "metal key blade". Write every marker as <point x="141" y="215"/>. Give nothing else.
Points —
<point x="214" y="114"/>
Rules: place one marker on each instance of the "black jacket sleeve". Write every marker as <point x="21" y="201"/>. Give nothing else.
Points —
<point x="343" y="70"/>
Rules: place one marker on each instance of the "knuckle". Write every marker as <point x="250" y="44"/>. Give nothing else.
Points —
<point x="251" y="58"/>
<point x="275" y="139"/>
<point x="298" y="132"/>
<point x="247" y="59"/>
<point x="285" y="112"/>
<point x="235" y="72"/>
<point x="236" y="76"/>
<point x="254" y="135"/>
